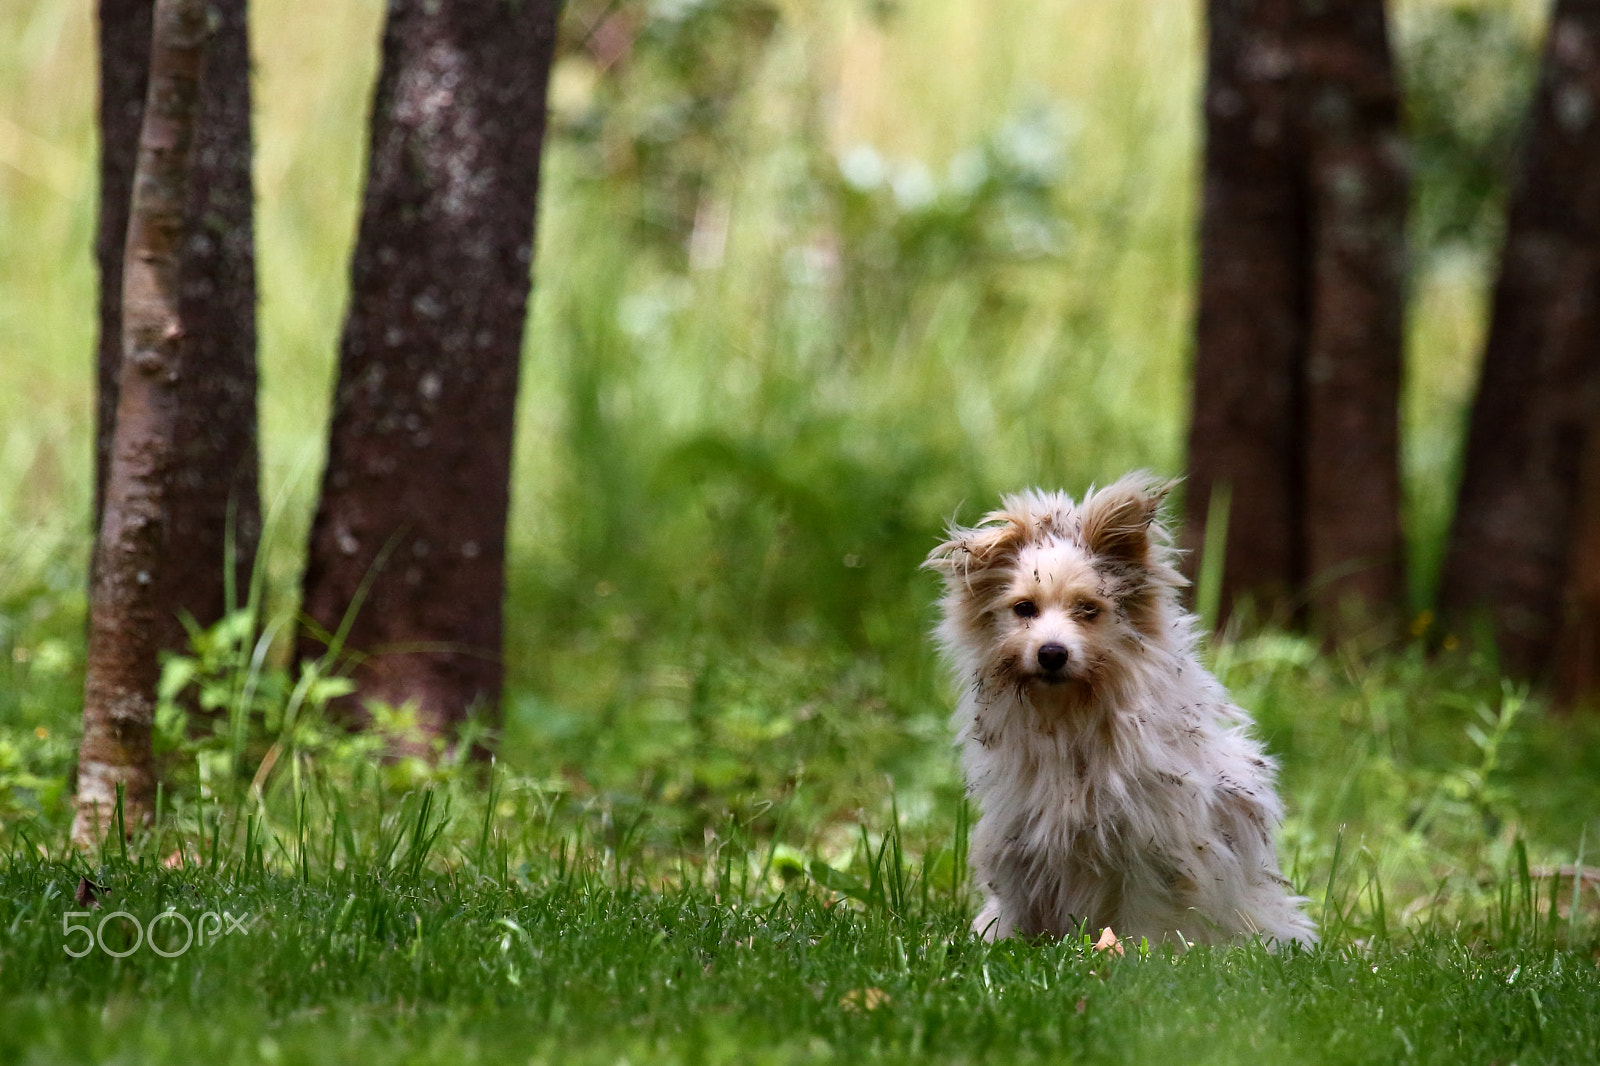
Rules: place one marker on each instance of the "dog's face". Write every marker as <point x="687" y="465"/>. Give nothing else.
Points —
<point x="1052" y="622"/>
<point x="1046" y="594"/>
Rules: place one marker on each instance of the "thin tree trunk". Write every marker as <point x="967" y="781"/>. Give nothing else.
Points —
<point x="124" y="80"/>
<point x="1297" y="362"/>
<point x="215" y="490"/>
<point x="416" y="491"/>
<point x="1514" y="537"/>
<point x="1358" y="180"/>
<point x="123" y="668"/>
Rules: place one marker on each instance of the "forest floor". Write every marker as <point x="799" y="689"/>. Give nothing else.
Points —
<point x="362" y="908"/>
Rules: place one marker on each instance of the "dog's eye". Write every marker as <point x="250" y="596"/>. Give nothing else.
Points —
<point x="1088" y="611"/>
<point x="1025" y="609"/>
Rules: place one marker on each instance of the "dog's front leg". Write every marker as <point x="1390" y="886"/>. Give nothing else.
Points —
<point x="994" y="922"/>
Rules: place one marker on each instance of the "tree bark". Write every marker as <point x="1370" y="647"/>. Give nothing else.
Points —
<point x="216" y="504"/>
<point x="416" y="490"/>
<point x="1514" y="539"/>
<point x="215" y="491"/>
<point x="1245" y="436"/>
<point x="125" y="606"/>
<point x="1358" y="182"/>
<point x="1577" y="651"/>
<point x="1297" y="362"/>
<point x="124" y="81"/>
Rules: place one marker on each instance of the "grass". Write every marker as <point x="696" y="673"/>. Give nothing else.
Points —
<point x="726" y="822"/>
<point x="516" y="939"/>
<point x="433" y="915"/>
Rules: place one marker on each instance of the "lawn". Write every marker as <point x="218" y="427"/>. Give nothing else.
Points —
<point x="525" y="931"/>
<point x="725" y="821"/>
<point x="576" y="968"/>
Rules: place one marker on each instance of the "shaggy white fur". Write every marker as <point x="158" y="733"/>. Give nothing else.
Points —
<point x="1116" y="782"/>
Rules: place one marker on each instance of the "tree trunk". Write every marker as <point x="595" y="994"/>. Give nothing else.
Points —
<point x="130" y="563"/>
<point x="215" y="487"/>
<point x="124" y="80"/>
<point x="1247" y="426"/>
<point x="1297" y="362"/>
<point x="1358" y="184"/>
<point x="1514" y="537"/>
<point x="215" y="494"/>
<point x="409" y="537"/>
<point x="1577" y="651"/>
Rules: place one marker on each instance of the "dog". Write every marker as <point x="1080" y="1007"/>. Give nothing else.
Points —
<point x="1116" y="783"/>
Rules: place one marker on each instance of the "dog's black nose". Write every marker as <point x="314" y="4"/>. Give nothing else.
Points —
<point x="1052" y="657"/>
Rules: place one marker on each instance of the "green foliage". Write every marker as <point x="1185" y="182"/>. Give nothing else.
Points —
<point x="238" y="730"/>
<point x="901" y="231"/>
<point x="646" y="92"/>
<point x="1468" y="72"/>
<point x="41" y="682"/>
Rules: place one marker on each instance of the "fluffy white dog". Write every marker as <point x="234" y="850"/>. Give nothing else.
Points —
<point x="1116" y="783"/>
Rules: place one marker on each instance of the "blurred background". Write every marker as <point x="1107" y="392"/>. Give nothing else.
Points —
<point x="811" y="280"/>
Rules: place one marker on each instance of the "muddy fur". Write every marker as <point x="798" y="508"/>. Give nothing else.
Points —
<point x="1116" y="782"/>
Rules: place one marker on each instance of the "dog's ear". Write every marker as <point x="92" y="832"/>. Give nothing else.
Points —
<point x="971" y="552"/>
<point x="1120" y="520"/>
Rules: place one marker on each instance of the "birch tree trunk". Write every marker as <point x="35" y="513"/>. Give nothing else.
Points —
<point x="123" y="668"/>
<point x="214" y="493"/>
<point x="124" y="83"/>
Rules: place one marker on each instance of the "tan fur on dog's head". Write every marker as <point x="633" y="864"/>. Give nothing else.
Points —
<point x="1047" y="594"/>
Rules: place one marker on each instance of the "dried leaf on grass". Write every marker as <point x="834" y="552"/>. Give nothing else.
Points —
<point x="88" y="893"/>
